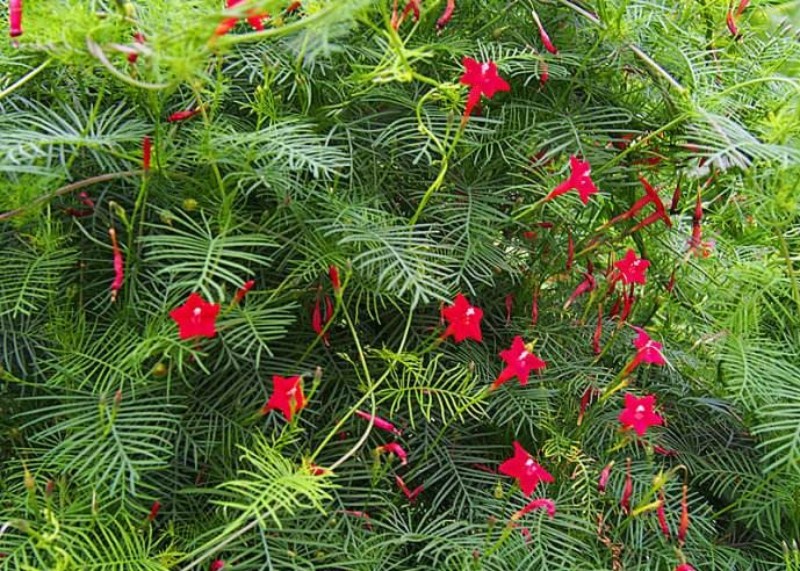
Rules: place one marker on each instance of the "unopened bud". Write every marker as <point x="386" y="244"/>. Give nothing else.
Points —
<point x="159" y="370"/>
<point x="190" y="204"/>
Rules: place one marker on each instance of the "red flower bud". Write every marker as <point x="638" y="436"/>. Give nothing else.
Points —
<point x="544" y="74"/>
<point x="683" y="526"/>
<point x="138" y="38"/>
<point x="731" y="22"/>
<point x="293" y="7"/>
<point x="216" y="565"/>
<point x="662" y="517"/>
<point x="154" y="509"/>
<point x="119" y="265"/>
<point x="548" y="45"/>
<point x="147" y="151"/>
<point x="742" y="6"/>
<point x="627" y="490"/>
<point x="183" y="115"/>
<point x="333" y="273"/>
<point x="242" y="291"/>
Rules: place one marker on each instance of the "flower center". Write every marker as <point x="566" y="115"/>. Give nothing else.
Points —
<point x="523" y="356"/>
<point x="484" y="67"/>
<point x="470" y="312"/>
<point x="197" y="311"/>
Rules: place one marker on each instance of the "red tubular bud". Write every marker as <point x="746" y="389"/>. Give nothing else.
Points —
<point x="333" y="273"/>
<point x="730" y="20"/>
<point x="154" y="509"/>
<point x="676" y="199"/>
<point x="509" y="308"/>
<point x="627" y="491"/>
<point x="548" y="45"/>
<point x="683" y="526"/>
<point x="15" y="18"/>
<point x="216" y="565"/>
<point x="662" y="516"/>
<point x="544" y="75"/>
<point x="293" y="7"/>
<point x="183" y="115"/>
<point x="242" y="291"/>
<point x="742" y="7"/>
<point x="147" y="151"/>
<point x="444" y="19"/>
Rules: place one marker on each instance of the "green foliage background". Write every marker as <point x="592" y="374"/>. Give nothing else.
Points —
<point x="317" y="141"/>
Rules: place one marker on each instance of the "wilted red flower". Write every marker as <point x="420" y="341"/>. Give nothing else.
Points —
<point x="579" y="179"/>
<point x="379" y="422"/>
<point x="545" y="503"/>
<point x="525" y="469"/>
<point x="287" y="396"/>
<point x="119" y="265"/>
<point x="520" y="361"/>
<point x="396" y="449"/>
<point x="483" y="80"/>
<point x="196" y="317"/>
<point x="632" y="270"/>
<point x="444" y="19"/>
<point x="410" y="494"/>
<point x="605" y="473"/>
<point x="464" y="320"/>
<point x="639" y="414"/>
<point x="647" y="350"/>
<point x="15" y="18"/>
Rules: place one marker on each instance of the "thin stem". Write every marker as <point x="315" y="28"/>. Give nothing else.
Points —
<point x="25" y="78"/>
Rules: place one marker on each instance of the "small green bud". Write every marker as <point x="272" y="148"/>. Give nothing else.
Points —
<point x="190" y="205"/>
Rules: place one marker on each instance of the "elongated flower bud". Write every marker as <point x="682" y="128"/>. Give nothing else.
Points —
<point x="683" y="526"/>
<point x="545" y="503"/>
<point x="216" y="565"/>
<point x="627" y="490"/>
<point x="183" y="115"/>
<point x="396" y="449"/>
<point x="509" y="308"/>
<point x="379" y="422"/>
<point x="147" y="152"/>
<point x="662" y="516"/>
<point x="154" y="509"/>
<point x="333" y="273"/>
<point x="242" y="291"/>
<point x="548" y="45"/>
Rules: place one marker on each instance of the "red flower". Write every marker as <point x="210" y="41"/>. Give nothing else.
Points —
<point x="396" y="449"/>
<point x="15" y="18"/>
<point x="632" y="270"/>
<point x="684" y="567"/>
<point x="287" y="396"/>
<point x="196" y="317"/>
<point x="647" y="350"/>
<point x="525" y="469"/>
<point x="545" y="503"/>
<point x="216" y="565"/>
<point x="464" y="320"/>
<point x="639" y="414"/>
<point x="379" y="422"/>
<point x="579" y="179"/>
<point x="520" y="361"/>
<point x="242" y="291"/>
<point x="483" y="80"/>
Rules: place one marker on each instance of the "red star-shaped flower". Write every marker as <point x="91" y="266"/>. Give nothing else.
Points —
<point x="638" y="413"/>
<point x="579" y="179"/>
<point x="520" y="361"/>
<point x="525" y="469"/>
<point x="684" y="567"/>
<point x="631" y="269"/>
<point x="196" y="317"/>
<point x="287" y="396"/>
<point x="647" y="350"/>
<point x="483" y="80"/>
<point x="464" y="320"/>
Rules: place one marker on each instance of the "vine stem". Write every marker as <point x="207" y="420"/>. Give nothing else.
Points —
<point x="67" y="189"/>
<point x="25" y="78"/>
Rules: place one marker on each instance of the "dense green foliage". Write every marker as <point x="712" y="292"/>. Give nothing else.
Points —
<point x="329" y="138"/>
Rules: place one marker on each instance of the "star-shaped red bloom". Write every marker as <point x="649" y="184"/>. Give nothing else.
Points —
<point x="639" y="414"/>
<point x="196" y="317"/>
<point x="631" y="269"/>
<point x="579" y="179"/>
<point x="287" y="396"/>
<point x="647" y="350"/>
<point x="483" y="80"/>
<point x="519" y="363"/>
<point x="525" y="469"/>
<point x="464" y="320"/>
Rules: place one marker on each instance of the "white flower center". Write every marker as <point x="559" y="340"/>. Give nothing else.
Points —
<point x="470" y="312"/>
<point x="529" y="462"/>
<point x="640" y="409"/>
<point x="523" y="355"/>
<point x="484" y="67"/>
<point x="197" y="311"/>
